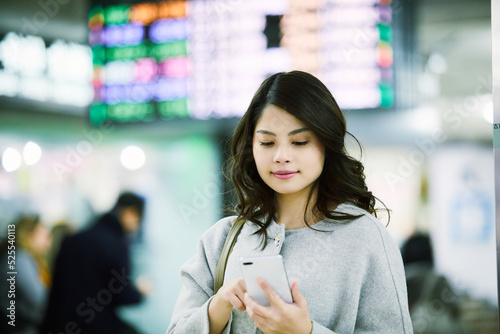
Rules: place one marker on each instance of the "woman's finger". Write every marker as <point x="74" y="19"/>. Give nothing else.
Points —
<point x="273" y="297"/>
<point x="254" y="308"/>
<point x="237" y="303"/>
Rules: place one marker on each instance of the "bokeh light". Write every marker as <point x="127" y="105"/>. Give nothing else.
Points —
<point x="132" y="157"/>
<point x="32" y="153"/>
<point x="11" y="159"/>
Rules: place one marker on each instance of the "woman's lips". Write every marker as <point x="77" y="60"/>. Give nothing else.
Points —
<point x="284" y="174"/>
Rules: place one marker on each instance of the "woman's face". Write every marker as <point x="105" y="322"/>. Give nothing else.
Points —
<point x="41" y="239"/>
<point x="288" y="155"/>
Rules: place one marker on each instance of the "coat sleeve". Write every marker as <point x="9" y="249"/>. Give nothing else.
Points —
<point x="383" y="305"/>
<point x="197" y="275"/>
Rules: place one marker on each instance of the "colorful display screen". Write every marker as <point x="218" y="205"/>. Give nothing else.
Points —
<point x="205" y="59"/>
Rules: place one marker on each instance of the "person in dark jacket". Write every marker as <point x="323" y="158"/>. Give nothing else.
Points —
<point x="433" y="302"/>
<point x="92" y="274"/>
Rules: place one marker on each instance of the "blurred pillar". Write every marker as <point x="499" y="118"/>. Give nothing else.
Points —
<point x="495" y="37"/>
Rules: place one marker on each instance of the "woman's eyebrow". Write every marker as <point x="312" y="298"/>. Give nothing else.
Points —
<point x="265" y="132"/>
<point x="291" y="133"/>
<point x="294" y="132"/>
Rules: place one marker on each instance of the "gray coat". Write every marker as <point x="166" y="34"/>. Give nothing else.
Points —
<point x="351" y="276"/>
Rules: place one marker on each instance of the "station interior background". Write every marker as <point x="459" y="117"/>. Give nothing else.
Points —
<point x="429" y="157"/>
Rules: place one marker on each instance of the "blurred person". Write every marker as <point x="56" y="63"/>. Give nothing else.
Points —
<point x="28" y="287"/>
<point x="302" y="196"/>
<point x="58" y="232"/>
<point x="92" y="274"/>
<point x="433" y="303"/>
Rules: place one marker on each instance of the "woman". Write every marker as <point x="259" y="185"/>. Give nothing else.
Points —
<point x="302" y="196"/>
<point x="32" y="275"/>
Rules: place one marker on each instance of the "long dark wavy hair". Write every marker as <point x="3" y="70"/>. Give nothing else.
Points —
<point x="342" y="180"/>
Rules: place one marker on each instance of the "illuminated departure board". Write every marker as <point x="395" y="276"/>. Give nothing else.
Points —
<point x="203" y="59"/>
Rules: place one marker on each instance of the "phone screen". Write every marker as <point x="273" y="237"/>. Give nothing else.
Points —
<point x="272" y="270"/>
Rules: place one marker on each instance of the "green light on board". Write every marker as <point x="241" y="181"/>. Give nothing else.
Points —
<point x="126" y="53"/>
<point x="117" y="14"/>
<point x="169" y="50"/>
<point x="98" y="55"/>
<point x="386" y="95"/>
<point x="128" y="112"/>
<point x="159" y="51"/>
<point x="97" y="114"/>
<point x="173" y="109"/>
<point x="385" y="32"/>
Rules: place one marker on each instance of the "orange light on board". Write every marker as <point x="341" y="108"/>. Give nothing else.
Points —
<point x="144" y="13"/>
<point x="96" y="22"/>
<point x="171" y="9"/>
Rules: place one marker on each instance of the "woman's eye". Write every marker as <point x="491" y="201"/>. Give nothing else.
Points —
<point x="266" y="143"/>
<point x="300" y="143"/>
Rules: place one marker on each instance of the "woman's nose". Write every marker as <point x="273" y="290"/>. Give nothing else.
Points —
<point x="282" y="155"/>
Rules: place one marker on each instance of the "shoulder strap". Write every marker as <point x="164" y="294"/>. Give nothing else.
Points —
<point x="224" y="255"/>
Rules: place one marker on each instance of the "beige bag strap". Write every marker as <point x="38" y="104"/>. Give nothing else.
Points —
<point x="224" y="255"/>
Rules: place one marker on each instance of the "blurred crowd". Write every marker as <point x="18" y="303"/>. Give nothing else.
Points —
<point x="61" y="280"/>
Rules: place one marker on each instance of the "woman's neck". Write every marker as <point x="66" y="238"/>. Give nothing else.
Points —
<point x="290" y="211"/>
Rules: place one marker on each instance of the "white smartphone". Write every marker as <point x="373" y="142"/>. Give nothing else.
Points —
<point x="272" y="270"/>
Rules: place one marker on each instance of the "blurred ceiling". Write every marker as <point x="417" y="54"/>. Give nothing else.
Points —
<point x="453" y="52"/>
<point x="64" y="19"/>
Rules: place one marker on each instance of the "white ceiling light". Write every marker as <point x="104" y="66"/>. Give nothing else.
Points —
<point x="32" y="153"/>
<point x="132" y="157"/>
<point x="11" y="159"/>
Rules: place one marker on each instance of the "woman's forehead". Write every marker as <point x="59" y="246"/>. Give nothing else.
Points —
<point x="275" y="119"/>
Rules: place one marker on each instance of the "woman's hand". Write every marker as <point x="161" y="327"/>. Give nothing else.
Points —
<point x="280" y="317"/>
<point x="232" y="293"/>
<point x="229" y="295"/>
